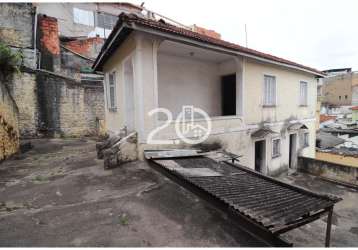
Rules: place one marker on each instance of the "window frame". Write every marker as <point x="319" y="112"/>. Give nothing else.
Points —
<point x="278" y="153"/>
<point x="306" y="140"/>
<point x="303" y="103"/>
<point x="274" y="98"/>
<point x="102" y="15"/>
<point x="112" y="107"/>
<point x="77" y="12"/>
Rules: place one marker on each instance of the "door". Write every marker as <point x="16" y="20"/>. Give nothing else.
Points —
<point x="260" y="156"/>
<point x="292" y="151"/>
<point x="129" y="95"/>
<point x="228" y="94"/>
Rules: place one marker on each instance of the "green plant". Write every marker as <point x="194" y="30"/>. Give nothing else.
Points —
<point x="10" y="61"/>
<point x="123" y="220"/>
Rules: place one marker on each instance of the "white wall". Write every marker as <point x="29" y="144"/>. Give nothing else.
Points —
<point x="187" y="81"/>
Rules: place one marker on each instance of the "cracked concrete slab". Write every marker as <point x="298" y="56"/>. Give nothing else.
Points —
<point x="70" y="200"/>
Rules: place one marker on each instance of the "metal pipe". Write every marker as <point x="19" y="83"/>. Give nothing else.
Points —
<point x="35" y="34"/>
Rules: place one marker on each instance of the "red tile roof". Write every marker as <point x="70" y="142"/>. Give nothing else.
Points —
<point x="324" y="118"/>
<point x="355" y="108"/>
<point x="171" y="29"/>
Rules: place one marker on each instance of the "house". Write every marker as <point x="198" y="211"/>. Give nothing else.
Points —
<point x="338" y="87"/>
<point x="355" y="114"/>
<point x="86" y="19"/>
<point x="260" y="106"/>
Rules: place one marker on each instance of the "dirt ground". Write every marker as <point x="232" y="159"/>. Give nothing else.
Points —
<point x="58" y="194"/>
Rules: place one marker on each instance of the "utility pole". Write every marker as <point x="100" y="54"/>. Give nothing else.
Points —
<point x="246" y="35"/>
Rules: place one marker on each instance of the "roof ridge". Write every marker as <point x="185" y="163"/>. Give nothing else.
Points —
<point x="167" y="27"/>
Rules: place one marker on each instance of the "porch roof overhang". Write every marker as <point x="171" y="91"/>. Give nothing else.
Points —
<point x="296" y="126"/>
<point x="262" y="133"/>
<point x="261" y="205"/>
<point x="129" y="22"/>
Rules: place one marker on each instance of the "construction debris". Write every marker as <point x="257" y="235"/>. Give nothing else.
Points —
<point x="118" y="149"/>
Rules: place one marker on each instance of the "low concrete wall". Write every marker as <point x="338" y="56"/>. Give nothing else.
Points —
<point x="345" y="160"/>
<point x="329" y="170"/>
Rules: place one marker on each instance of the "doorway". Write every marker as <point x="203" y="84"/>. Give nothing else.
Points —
<point x="292" y="150"/>
<point x="260" y="156"/>
<point x="228" y="95"/>
<point x="129" y="95"/>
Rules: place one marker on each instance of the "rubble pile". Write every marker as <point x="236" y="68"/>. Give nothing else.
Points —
<point x="118" y="149"/>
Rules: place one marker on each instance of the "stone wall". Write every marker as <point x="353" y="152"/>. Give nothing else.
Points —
<point x="16" y="27"/>
<point x="24" y="90"/>
<point x="333" y="171"/>
<point x="68" y="107"/>
<point x="9" y="132"/>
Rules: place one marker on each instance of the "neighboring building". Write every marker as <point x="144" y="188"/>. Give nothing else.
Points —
<point x="150" y="64"/>
<point x="355" y="114"/>
<point x="56" y="93"/>
<point x="328" y="141"/>
<point x="326" y="120"/>
<point x="342" y="150"/>
<point x="337" y="88"/>
<point x="86" y="19"/>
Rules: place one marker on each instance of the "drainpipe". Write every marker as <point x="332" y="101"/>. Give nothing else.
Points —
<point x="35" y="36"/>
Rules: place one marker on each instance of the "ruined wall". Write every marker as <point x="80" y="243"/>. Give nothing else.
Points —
<point x="329" y="170"/>
<point x="16" y="27"/>
<point x="67" y="107"/>
<point x="9" y="133"/>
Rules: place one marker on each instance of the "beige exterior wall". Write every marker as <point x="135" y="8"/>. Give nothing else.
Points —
<point x="233" y="132"/>
<point x="336" y="88"/>
<point x="287" y="94"/>
<point x="115" y="120"/>
<point x="339" y="159"/>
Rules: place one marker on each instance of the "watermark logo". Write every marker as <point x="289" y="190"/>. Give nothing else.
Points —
<point x="192" y="125"/>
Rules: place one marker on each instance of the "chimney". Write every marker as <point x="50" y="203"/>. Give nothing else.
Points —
<point x="49" y="43"/>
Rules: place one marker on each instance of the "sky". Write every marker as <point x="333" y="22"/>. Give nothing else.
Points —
<point x="319" y="33"/>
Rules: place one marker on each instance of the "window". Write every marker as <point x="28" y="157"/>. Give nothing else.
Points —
<point x="104" y="24"/>
<point x="306" y="140"/>
<point x="303" y="93"/>
<point x="270" y="91"/>
<point x="106" y="21"/>
<point x="346" y="97"/>
<point x="340" y="97"/>
<point x="84" y="17"/>
<point x="112" y="91"/>
<point x="276" y="148"/>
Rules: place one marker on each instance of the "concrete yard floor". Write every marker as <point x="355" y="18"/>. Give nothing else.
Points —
<point x="58" y="194"/>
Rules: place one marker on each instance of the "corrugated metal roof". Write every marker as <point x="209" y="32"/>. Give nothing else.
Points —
<point x="326" y="140"/>
<point x="265" y="200"/>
